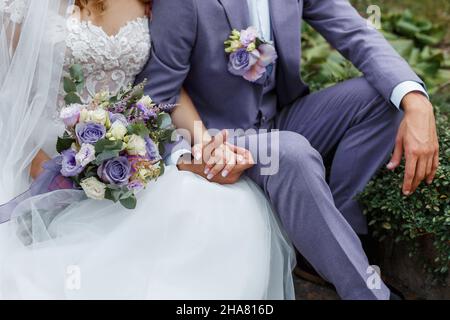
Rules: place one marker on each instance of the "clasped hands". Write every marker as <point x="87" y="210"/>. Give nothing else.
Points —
<point x="218" y="160"/>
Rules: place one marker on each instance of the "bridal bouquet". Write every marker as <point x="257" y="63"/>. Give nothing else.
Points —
<point x="111" y="146"/>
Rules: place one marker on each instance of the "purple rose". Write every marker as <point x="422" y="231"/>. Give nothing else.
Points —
<point x="116" y="171"/>
<point x="70" y="168"/>
<point x="241" y="61"/>
<point x="152" y="150"/>
<point x="90" y="132"/>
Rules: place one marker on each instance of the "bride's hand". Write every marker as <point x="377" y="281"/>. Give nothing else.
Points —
<point x="223" y="162"/>
<point x="228" y="160"/>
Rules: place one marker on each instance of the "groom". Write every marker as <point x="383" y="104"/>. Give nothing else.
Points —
<point x="352" y="125"/>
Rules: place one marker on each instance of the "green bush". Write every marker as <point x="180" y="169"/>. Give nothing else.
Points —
<point x="427" y="212"/>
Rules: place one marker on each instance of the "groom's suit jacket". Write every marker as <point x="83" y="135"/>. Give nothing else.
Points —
<point x="188" y="50"/>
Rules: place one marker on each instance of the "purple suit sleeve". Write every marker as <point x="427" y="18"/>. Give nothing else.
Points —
<point x="173" y="32"/>
<point x="364" y="46"/>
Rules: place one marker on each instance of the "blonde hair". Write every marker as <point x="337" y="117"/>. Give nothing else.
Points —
<point x="99" y="5"/>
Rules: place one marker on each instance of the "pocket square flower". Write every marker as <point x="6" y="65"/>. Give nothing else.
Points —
<point x="249" y="55"/>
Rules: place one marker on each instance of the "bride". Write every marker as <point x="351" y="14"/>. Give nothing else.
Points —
<point x="187" y="239"/>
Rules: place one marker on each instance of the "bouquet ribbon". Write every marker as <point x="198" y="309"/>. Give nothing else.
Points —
<point x="49" y="180"/>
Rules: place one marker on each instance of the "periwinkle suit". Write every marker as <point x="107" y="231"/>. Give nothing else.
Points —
<point x="352" y="125"/>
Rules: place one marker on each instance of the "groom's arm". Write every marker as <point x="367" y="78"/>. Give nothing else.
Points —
<point x="363" y="45"/>
<point x="351" y="35"/>
<point x="173" y="33"/>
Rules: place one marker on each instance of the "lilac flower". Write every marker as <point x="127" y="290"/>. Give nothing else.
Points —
<point x="90" y="132"/>
<point x="152" y="150"/>
<point x="241" y="61"/>
<point x="268" y="54"/>
<point x="248" y="36"/>
<point x="255" y="73"/>
<point x="167" y="107"/>
<point x="146" y="112"/>
<point x="70" y="168"/>
<point x="70" y="115"/>
<point x="116" y="171"/>
<point x="135" y="185"/>
<point x="86" y="155"/>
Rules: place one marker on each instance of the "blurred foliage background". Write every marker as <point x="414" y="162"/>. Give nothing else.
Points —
<point x="418" y="30"/>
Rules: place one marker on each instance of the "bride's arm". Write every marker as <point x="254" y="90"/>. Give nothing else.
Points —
<point x="185" y="116"/>
<point x="220" y="160"/>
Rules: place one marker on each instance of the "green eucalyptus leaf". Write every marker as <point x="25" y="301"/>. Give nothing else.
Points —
<point x="76" y="73"/>
<point x="72" y="98"/>
<point x="129" y="203"/>
<point x="139" y="129"/>
<point x="64" y="144"/>
<point x="69" y="85"/>
<point x="106" y="155"/>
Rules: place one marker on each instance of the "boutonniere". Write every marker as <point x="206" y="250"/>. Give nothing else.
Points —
<point x="249" y="55"/>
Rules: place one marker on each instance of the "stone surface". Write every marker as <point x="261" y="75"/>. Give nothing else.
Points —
<point x="402" y="270"/>
<point x="305" y="290"/>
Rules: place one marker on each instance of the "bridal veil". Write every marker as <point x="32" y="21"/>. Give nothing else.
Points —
<point x="32" y="49"/>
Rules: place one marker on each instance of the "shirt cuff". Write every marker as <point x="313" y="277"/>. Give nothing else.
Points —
<point x="401" y="90"/>
<point x="172" y="160"/>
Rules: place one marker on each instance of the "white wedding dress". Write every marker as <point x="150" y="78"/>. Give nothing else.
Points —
<point x="187" y="239"/>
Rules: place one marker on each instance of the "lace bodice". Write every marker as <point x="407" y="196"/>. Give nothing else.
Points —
<point x="109" y="62"/>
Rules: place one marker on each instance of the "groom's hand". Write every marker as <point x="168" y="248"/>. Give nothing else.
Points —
<point x="218" y="161"/>
<point x="417" y="139"/>
<point x="199" y="169"/>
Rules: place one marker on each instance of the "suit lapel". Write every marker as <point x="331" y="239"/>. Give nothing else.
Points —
<point x="237" y="13"/>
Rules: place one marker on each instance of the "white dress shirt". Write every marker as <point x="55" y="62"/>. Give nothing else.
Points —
<point x="260" y="18"/>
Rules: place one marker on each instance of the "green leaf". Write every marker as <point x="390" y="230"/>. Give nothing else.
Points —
<point x="108" y="145"/>
<point x="76" y="73"/>
<point x="106" y="155"/>
<point x="113" y="194"/>
<point x="129" y="203"/>
<point x="72" y="98"/>
<point x="69" y="85"/>
<point x="63" y="144"/>
<point x="139" y="129"/>
<point x="164" y="120"/>
<point x="137" y="93"/>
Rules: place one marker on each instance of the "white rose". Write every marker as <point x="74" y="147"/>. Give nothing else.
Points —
<point x="86" y="155"/>
<point x="99" y="116"/>
<point x="118" y="130"/>
<point x="136" y="146"/>
<point x="146" y="101"/>
<point x="93" y="188"/>
<point x="84" y="116"/>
